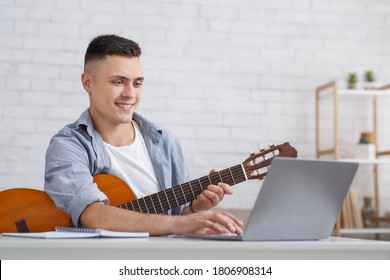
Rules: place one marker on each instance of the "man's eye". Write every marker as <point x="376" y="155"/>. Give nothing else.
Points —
<point x="118" y="83"/>
<point x="138" y="84"/>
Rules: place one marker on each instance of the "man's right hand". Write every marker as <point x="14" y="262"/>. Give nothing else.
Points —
<point x="208" y="222"/>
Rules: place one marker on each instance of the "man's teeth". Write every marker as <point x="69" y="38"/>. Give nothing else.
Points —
<point x="126" y="106"/>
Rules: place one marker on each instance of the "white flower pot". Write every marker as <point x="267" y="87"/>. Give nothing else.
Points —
<point x="365" y="151"/>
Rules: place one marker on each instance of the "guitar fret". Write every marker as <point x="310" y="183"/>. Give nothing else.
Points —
<point x="229" y="177"/>
<point x="174" y="198"/>
<point x="219" y="173"/>
<point x="200" y="184"/>
<point x="146" y="208"/>
<point x="143" y="205"/>
<point x="131" y="206"/>
<point x="167" y="199"/>
<point x="187" y="191"/>
<point x="193" y="194"/>
<point x="197" y="186"/>
<point x="240" y="170"/>
<point x="139" y="206"/>
<point x="222" y="174"/>
<point x="135" y="205"/>
<point x="161" y="205"/>
<point x="235" y="178"/>
<point x="179" y="195"/>
<point x="213" y="179"/>
<point x="181" y="187"/>
<point x="156" y="203"/>
<point x="164" y="203"/>
<point x="153" y="209"/>
<point x="174" y="195"/>
<point x="205" y="181"/>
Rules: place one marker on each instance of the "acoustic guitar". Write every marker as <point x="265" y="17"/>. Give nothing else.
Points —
<point x="29" y="210"/>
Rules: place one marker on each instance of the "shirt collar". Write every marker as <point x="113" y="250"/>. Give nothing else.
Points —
<point x="86" y="121"/>
<point x="145" y="125"/>
<point x="148" y="128"/>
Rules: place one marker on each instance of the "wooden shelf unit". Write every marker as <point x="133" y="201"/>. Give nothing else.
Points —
<point x="335" y="92"/>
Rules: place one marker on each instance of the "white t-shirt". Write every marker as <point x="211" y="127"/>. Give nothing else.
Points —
<point x="132" y="165"/>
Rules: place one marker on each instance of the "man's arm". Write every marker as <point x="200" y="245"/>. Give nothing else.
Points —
<point x="99" y="215"/>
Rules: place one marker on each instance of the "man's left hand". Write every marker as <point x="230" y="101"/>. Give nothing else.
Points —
<point x="211" y="196"/>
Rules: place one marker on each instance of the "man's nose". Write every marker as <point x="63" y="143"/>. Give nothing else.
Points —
<point x="129" y="91"/>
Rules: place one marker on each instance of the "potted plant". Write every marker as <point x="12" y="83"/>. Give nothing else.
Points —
<point x="365" y="148"/>
<point x="369" y="78"/>
<point x="352" y="80"/>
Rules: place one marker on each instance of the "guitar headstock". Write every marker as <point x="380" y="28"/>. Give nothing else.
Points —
<point x="257" y="164"/>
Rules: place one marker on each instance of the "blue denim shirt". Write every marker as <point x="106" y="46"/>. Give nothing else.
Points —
<point x="77" y="153"/>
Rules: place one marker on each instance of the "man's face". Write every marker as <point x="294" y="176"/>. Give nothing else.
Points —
<point x="114" y="85"/>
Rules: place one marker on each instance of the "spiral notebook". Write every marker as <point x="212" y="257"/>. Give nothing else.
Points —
<point x="70" y="232"/>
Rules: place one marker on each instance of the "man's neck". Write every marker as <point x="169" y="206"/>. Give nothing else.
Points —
<point x="118" y="135"/>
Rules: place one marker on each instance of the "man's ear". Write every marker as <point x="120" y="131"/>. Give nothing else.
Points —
<point x="86" y="80"/>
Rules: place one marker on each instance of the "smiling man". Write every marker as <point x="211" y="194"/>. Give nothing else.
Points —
<point x="111" y="138"/>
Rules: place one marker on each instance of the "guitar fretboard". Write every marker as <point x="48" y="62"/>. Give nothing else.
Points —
<point x="184" y="193"/>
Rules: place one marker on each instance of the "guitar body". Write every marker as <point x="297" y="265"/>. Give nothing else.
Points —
<point x="34" y="207"/>
<point x="40" y="213"/>
<point x="114" y="188"/>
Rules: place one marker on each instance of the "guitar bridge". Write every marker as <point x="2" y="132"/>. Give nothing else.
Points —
<point x="21" y="225"/>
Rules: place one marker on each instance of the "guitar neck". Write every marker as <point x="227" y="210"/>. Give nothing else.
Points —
<point x="184" y="193"/>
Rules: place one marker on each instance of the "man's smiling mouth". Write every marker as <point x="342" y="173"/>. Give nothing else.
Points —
<point x="124" y="105"/>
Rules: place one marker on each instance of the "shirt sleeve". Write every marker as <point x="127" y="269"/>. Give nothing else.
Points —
<point x="68" y="179"/>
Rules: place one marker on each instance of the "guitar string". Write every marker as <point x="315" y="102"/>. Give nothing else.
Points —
<point x="213" y="177"/>
<point x="235" y="172"/>
<point x="167" y="205"/>
<point x="163" y="207"/>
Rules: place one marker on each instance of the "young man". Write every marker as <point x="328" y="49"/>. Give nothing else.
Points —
<point x="110" y="137"/>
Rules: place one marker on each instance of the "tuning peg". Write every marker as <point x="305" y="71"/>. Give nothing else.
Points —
<point x="262" y="178"/>
<point x="261" y="149"/>
<point x="270" y="145"/>
<point x="251" y="153"/>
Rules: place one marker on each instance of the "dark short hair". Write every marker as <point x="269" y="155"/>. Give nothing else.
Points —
<point x="104" y="45"/>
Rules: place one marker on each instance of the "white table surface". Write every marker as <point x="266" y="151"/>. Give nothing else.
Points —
<point x="183" y="248"/>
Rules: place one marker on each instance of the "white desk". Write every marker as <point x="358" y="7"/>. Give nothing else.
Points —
<point x="182" y="248"/>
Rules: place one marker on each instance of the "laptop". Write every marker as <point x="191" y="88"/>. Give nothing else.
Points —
<point x="300" y="200"/>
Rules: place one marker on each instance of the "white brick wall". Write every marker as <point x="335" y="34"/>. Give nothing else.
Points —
<point x="225" y="76"/>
